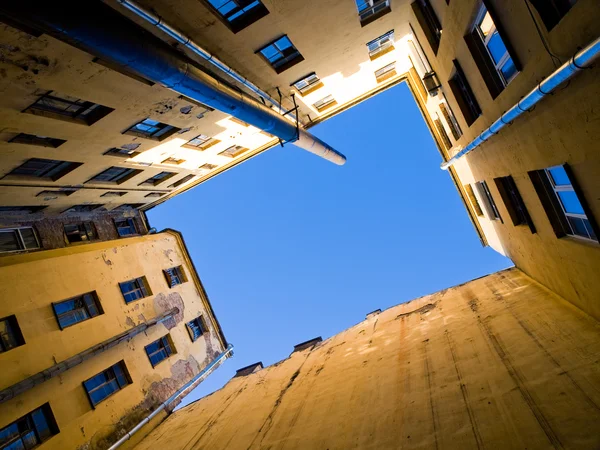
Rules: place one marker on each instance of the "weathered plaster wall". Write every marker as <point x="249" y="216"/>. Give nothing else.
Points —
<point x="499" y="362"/>
<point x="29" y="283"/>
<point x="561" y="129"/>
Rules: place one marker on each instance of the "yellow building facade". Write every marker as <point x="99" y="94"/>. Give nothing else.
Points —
<point x="498" y="362"/>
<point x="96" y="337"/>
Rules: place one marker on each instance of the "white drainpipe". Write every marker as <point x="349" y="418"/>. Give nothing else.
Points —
<point x="582" y="60"/>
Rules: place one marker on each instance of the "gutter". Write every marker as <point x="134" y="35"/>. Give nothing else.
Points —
<point x="184" y="390"/>
<point x="583" y="59"/>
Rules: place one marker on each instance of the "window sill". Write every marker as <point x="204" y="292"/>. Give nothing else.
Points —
<point x="310" y="90"/>
<point x="391" y="48"/>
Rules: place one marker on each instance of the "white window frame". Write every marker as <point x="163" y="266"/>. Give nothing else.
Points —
<point x="385" y="70"/>
<point x="381" y="44"/>
<point x="306" y="83"/>
<point x="322" y="104"/>
<point x="567" y="188"/>
<point x="486" y="40"/>
<point x="371" y="7"/>
<point x="20" y="240"/>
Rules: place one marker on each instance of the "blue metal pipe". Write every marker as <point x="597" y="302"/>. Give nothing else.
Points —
<point x="100" y="30"/>
<point x="582" y="59"/>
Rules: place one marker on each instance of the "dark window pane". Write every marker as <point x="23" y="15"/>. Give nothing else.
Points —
<point x="559" y="176"/>
<point x="9" y="241"/>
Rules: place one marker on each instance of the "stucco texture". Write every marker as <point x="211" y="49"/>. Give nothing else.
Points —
<point x="499" y="362"/>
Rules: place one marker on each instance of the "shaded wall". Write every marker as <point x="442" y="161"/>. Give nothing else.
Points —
<point x="499" y="362"/>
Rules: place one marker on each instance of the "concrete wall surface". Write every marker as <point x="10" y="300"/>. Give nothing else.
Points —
<point x="499" y="362"/>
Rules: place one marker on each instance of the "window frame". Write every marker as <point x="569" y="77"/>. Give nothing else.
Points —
<point x="165" y="344"/>
<point x="381" y="45"/>
<point x="205" y="142"/>
<point x="294" y="57"/>
<point x="131" y="224"/>
<point x="429" y="22"/>
<point x="40" y="141"/>
<point x="371" y="10"/>
<point x="464" y="96"/>
<point x="249" y="17"/>
<point x="126" y="377"/>
<point x="325" y="103"/>
<point x="310" y="86"/>
<point x="487" y="201"/>
<point x="158" y="181"/>
<point x="386" y="72"/>
<point x="87" y="228"/>
<point x="20" y="240"/>
<point x="179" y="276"/>
<point x="164" y="130"/>
<point x="86" y="112"/>
<point x="517" y="210"/>
<point x="183" y="180"/>
<point x="237" y="151"/>
<point x="141" y="286"/>
<point x="125" y="174"/>
<point x="58" y="170"/>
<point x="199" y="323"/>
<point x="84" y="306"/>
<point x="49" y="419"/>
<point x="547" y="191"/>
<point x="14" y="330"/>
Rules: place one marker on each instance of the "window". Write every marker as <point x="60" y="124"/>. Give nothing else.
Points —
<point x="450" y="119"/>
<point x="183" y="180"/>
<point x="30" y="430"/>
<point x="82" y="208"/>
<point x="17" y="239"/>
<point x="155" y="194"/>
<point x="442" y="132"/>
<point x="152" y="129"/>
<point x="514" y="202"/>
<point x="464" y="95"/>
<point x="386" y="72"/>
<point x="473" y="200"/>
<point x="370" y="10"/>
<point x="207" y="167"/>
<point x="113" y="194"/>
<point x="60" y="193"/>
<point x="324" y="103"/>
<point x="49" y="169"/>
<point x="201" y="142"/>
<point x="124" y="151"/>
<point x="488" y="45"/>
<point x="564" y="203"/>
<point x="196" y="328"/>
<point x="552" y="11"/>
<point x="307" y="84"/>
<point x="175" y="276"/>
<point x="135" y="289"/>
<point x="159" y="350"/>
<point x="382" y="45"/>
<point x="281" y="54"/>
<point x="42" y="141"/>
<point x="20" y="209"/>
<point x="125" y="227"/>
<point x="233" y="151"/>
<point x="116" y="175"/>
<point x="10" y="334"/>
<point x="489" y="206"/>
<point x="238" y="14"/>
<point x="429" y="23"/>
<point x="158" y="178"/>
<point x="68" y="108"/>
<point x="106" y="383"/>
<point x="172" y="160"/>
<point x="81" y="232"/>
<point x="77" y="309"/>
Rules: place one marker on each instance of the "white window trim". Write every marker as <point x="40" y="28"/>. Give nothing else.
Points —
<point x="486" y="40"/>
<point x="20" y="239"/>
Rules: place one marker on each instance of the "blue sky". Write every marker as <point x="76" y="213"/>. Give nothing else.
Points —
<point x="290" y="247"/>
